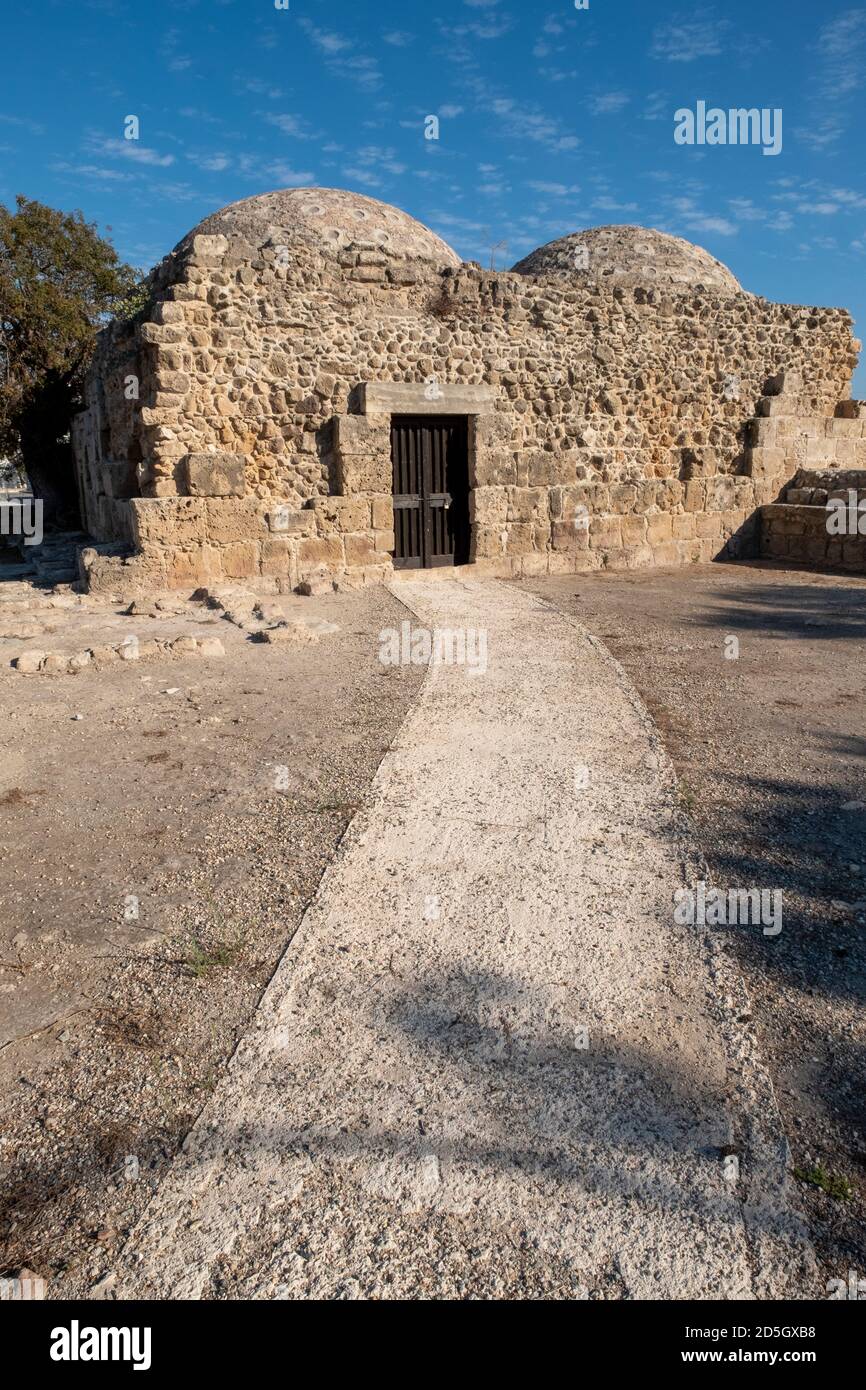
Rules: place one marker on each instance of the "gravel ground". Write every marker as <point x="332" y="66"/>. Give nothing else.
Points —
<point x="770" y="750"/>
<point x="115" y="1029"/>
<point x="490" y="1064"/>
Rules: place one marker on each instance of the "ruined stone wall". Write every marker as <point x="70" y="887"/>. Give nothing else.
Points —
<point x="642" y="407"/>
<point x="800" y="529"/>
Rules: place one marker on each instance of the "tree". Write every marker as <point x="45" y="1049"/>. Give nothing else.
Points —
<point x="60" y="281"/>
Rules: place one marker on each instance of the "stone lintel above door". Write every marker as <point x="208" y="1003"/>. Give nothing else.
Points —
<point x="424" y="398"/>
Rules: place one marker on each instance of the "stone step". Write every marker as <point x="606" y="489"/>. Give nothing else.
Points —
<point x="10" y="574"/>
<point x="57" y="574"/>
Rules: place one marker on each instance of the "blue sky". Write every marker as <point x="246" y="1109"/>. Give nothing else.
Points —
<point x="551" y="119"/>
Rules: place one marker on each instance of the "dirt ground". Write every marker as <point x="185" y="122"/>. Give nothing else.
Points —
<point x="770" y="749"/>
<point x="115" y="1026"/>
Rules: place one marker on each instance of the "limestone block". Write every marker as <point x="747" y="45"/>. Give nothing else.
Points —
<point x="385" y="542"/>
<point x="28" y="663"/>
<point x="845" y="452"/>
<point x="766" y="462"/>
<point x="720" y="493"/>
<point x="383" y="514"/>
<point x="659" y="529"/>
<point x="527" y="504"/>
<point x="531" y="566"/>
<point x="566" y="535"/>
<point x="169" y="311"/>
<point x="213" y="475"/>
<point x="323" y="550"/>
<point x="192" y="564"/>
<point x="605" y="532"/>
<point x="277" y="556"/>
<point x="364" y="473"/>
<point x="622" y="498"/>
<point x="410" y="398"/>
<point x="489" y="542"/>
<point x="708" y="525"/>
<point x="548" y="470"/>
<point x="342" y="514"/>
<point x="520" y="539"/>
<point x="761" y="432"/>
<point x="240" y="559"/>
<point x="202" y="245"/>
<point x="683" y="527"/>
<point x="210" y="647"/>
<point x="821" y="450"/>
<point x="361" y="550"/>
<point x="361" y="434"/>
<point x="845" y="427"/>
<point x="666" y="554"/>
<point x="633" y="531"/>
<point x="362" y="452"/>
<point x="488" y="506"/>
<point x="638" y="557"/>
<point x="494" y="469"/>
<point x="286" y="522"/>
<point x="231" y="519"/>
<point x="159" y="333"/>
<point x="175" y="383"/>
<point x="167" y="520"/>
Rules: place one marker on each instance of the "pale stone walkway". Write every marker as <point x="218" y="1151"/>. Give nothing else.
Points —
<point x="489" y="1064"/>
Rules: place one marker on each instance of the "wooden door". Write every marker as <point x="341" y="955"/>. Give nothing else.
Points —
<point x="430" y="457"/>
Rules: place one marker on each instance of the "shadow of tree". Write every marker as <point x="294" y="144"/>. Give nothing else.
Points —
<point x="817" y="611"/>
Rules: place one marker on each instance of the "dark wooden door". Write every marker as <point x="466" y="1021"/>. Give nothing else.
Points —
<point x="430" y="456"/>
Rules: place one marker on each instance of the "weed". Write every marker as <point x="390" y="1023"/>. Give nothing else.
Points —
<point x="832" y="1183"/>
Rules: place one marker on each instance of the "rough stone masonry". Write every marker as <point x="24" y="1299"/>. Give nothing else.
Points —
<point x="627" y="402"/>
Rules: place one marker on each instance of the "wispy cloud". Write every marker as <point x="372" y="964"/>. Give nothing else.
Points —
<point x="292" y="125"/>
<point x="841" y="73"/>
<point x="531" y="123"/>
<point x="608" y="103"/>
<point x="132" y="150"/>
<point x="685" y="38"/>
<point x="24" y="123"/>
<point x="553" y="190"/>
<point x="341" y="57"/>
<point x="174" y="60"/>
<point x="98" y="172"/>
<point x="695" y="219"/>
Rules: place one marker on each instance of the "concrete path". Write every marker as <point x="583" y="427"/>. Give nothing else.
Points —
<point x="489" y="1064"/>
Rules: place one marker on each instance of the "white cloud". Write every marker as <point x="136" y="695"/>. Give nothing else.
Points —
<point x="555" y="190"/>
<point x="131" y="149"/>
<point x="685" y="38"/>
<point x="607" y="103"/>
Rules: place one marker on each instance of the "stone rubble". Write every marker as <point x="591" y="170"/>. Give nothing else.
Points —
<point x="55" y="663"/>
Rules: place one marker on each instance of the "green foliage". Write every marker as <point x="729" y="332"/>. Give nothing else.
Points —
<point x="832" y="1183"/>
<point x="60" y="281"/>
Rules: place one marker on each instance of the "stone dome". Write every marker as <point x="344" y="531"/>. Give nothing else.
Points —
<point x="330" y="218"/>
<point x="632" y="257"/>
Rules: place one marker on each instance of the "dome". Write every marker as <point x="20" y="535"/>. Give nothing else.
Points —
<point x="631" y="256"/>
<point x="331" y="218"/>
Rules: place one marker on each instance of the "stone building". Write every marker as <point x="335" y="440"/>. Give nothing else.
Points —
<point x="319" y="388"/>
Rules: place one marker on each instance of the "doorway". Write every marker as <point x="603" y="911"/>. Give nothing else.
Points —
<point x="430" y="459"/>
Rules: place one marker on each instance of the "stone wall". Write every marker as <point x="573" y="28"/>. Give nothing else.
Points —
<point x="800" y="528"/>
<point x="623" y="426"/>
